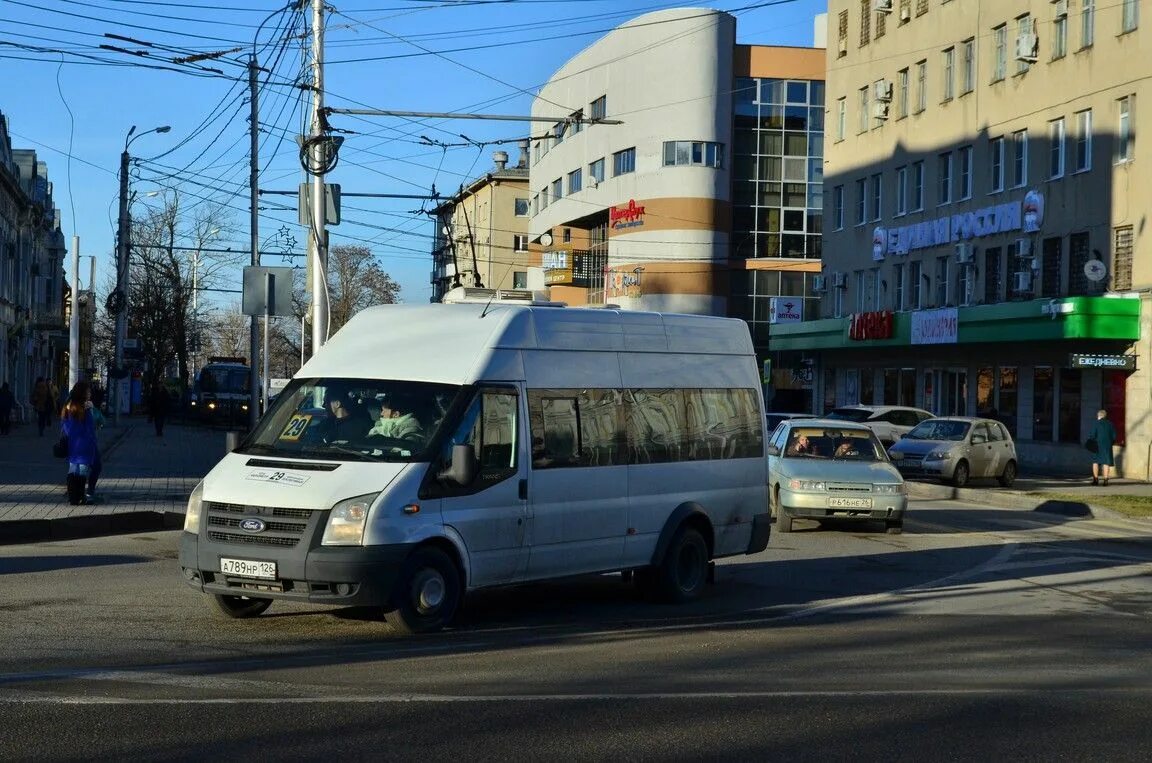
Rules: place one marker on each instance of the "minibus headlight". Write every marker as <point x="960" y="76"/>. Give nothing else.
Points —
<point x="192" y="513"/>
<point x="347" y="520"/>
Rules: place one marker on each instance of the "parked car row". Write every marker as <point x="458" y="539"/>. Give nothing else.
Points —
<point x="842" y="466"/>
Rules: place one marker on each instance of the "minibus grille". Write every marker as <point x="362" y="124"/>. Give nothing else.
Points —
<point x="283" y="527"/>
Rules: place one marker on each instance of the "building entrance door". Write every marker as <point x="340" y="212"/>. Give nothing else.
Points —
<point x="952" y="398"/>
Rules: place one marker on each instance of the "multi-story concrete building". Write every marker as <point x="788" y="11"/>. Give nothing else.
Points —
<point x="701" y="190"/>
<point x="481" y="237"/>
<point x="984" y="218"/>
<point x="33" y="338"/>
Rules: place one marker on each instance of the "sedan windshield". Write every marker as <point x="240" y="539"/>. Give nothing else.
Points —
<point x="833" y="443"/>
<point x="939" y="430"/>
<point x="850" y="414"/>
<point x="353" y="419"/>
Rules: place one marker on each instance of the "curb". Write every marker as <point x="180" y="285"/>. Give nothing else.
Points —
<point x="1010" y="499"/>
<point x="97" y="525"/>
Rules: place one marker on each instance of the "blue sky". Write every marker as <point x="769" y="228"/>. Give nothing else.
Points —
<point x="74" y="102"/>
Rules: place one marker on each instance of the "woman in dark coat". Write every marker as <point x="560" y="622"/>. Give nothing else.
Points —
<point x="1104" y="433"/>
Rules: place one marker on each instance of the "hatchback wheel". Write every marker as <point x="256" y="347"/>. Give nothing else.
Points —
<point x="1009" y="475"/>
<point x="961" y="474"/>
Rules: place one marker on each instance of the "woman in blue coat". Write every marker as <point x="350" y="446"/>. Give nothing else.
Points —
<point x="78" y="424"/>
<point x="1104" y="434"/>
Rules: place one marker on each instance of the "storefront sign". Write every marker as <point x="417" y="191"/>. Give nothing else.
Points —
<point x="874" y="325"/>
<point x="557" y="267"/>
<point x="987" y="221"/>
<point x="1109" y="362"/>
<point x="630" y="216"/>
<point x="935" y="326"/>
<point x="785" y="310"/>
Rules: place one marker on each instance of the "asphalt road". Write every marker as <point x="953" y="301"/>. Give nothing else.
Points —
<point x="979" y="633"/>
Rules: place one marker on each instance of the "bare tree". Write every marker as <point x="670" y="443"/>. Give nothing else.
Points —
<point x="356" y="281"/>
<point x="226" y="333"/>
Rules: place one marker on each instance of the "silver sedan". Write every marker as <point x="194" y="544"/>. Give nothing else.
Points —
<point x="956" y="449"/>
<point x="832" y="470"/>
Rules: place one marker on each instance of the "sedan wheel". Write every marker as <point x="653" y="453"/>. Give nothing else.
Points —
<point x="961" y="474"/>
<point x="1009" y="475"/>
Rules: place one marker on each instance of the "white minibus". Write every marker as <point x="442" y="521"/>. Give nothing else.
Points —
<point x="427" y="451"/>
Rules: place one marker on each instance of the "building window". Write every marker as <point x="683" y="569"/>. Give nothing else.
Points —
<point x="680" y="153"/>
<point x="520" y="242"/>
<point x="877" y="180"/>
<point x="841" y="118"/>
<point x="566" y="236"/>
<point x="1129" y="15"/>
<point x="944" y="178"/>
<point x="1077" y="259"/>
<point x="965" y="179"/>
<point x="862" y="120"/>
<point x="999" y="52"/>
<point x="535" y="203"/>
<point x="949" y="64"/>
<point x="557" y="189"/>
<point x="1052" y="252"/>
<point x="968" y="75"/>
<point x="921" y="7"/>
<point x="558" y="130"/>
<point x="1059" y="37"/>
<point x="1056" y="148"/>
<point x="624" y="162"/>
<point x="898" y="287"/>
<point x="918" y="186"/>
<point x="996" y="155"/>
<point x="1083" y="141"/>
<point x="964" y="284"/>
<point x="941" y="281"/>
<point x="577" y="122"/>
<point x="1023" y="28"/>
<point x="521" y="207"/>
<point x="915" y="287"/>
<point x="1019" y="158"/>
<point x="1124" y="147"/>
<point x="519" y="279"/>
<point x="1087" y="23"/>
<point x="901" y="191"/>
<point x="838" y="207"/>
<point x="992" y="280"/>
<point x="842" y="30"/>
<point x="865" y="21"/>
<point x="921" y="86"/>
<point x="902" y="94"/>
<point x="1122" y="259"/>
<point x="598" y="109"/>
<point x="881" y="24"/>
<point x="575" y="181"/>
<point x="596" y="170"/>
<point x="861" y="201"/>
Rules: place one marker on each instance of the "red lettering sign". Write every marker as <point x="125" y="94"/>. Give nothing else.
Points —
<point x="874" y="325"/>
<point x="631" y="214"/>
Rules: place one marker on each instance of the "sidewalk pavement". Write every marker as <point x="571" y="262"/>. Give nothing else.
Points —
<point x="147" y="479"/>
<point x="144" y="485"/>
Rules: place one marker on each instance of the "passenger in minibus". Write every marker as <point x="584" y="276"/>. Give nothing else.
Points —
<point x="397" y="421"/>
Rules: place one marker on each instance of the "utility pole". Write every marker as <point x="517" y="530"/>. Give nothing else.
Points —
<point x="74" y="319"/>
<point x="254" y="400"/>
<point x="318" y="161"/>
<point x="121" y="285"/>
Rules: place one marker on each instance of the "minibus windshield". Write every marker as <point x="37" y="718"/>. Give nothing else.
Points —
<point x="353" y="419"/>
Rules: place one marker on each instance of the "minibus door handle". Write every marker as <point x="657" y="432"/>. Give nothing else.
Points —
<point x="523" y="490"/>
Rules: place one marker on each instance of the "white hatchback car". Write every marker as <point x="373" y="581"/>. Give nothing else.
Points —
<point x="889" y="422"/>
<point x="832" y="470"/>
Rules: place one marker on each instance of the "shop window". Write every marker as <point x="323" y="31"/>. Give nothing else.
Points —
<point x="1070" y="405"/>
<point x="1009" y="382"/>
<point x="985" y="393"/>
<point x="519" y="279"/>
<point x="867" y="386"/>
<point x="829" y="389"/>
<point x="1053" y="252"/>
<point x="1043" y="393"/>
<point x="891" y="386"/>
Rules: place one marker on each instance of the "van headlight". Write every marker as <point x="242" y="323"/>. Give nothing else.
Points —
<point x="347" y="520"/>
<point x="195" y="506"/>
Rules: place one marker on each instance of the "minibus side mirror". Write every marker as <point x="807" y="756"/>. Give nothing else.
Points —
<point x="462" y="470"/>
<point x="772" y="450"/>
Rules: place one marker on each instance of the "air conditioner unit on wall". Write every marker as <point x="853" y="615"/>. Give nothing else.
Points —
<point x="905" y="13"/>
<point x="1022" y="281"/>
<point x="819" y="284"/>
<point x="1027" y="47"/>
<point x="1023" y="247"/>
<point x="843" y="46"/>
<point x="880" y="110"/>
<point x="840" y="280"/>
<point x="964" y="253"/>
<point x="883" y="90"/>
<point x="1060" y="8"/>
<point x="882" y="6"/>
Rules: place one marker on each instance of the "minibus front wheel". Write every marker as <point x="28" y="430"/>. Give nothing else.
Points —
<point x="427" y="593"/>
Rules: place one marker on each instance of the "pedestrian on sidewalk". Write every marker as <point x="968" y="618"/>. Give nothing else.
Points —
<point x="7" y="403"/>
<point x="1103" y="434"/>
<point x="158" y="407"/>
<point x="78" y="424"/>
<point x="41" y="403"/>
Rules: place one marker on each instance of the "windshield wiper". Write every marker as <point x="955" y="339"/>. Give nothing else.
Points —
<point x="326" y="450"/>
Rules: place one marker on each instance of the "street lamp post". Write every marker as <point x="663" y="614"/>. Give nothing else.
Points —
<point x="119" y="298"/>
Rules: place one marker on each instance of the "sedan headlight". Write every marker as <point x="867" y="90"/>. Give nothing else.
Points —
<point x="195" y="506"/>
<point x="889" y="489"/>
<point x="806" y="485"/>
<point x="347" y="520"/>
<point x="940" y="454"/>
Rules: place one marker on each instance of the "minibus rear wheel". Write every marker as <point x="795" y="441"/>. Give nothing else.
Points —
<point x="427" y="593"/>
<point x="683" y="572"/>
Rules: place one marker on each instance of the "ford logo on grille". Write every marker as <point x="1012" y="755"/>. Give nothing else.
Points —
<point x="252" y="525"/>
